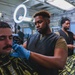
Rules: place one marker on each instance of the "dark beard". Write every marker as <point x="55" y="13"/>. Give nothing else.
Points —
<point x="44" y="30"/>
<point x="66" y="29"/>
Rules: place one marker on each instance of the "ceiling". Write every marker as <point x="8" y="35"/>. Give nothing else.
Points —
<point x="7" y="8"/>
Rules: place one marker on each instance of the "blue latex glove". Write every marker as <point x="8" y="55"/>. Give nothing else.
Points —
<point x="14" y="42"/>
<point x="20" y="51"/>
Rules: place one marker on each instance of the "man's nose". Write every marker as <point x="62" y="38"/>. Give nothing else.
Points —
<point x="8" y="41"/>
<point x="37" y="25"/>
<point x="68" y="25"/>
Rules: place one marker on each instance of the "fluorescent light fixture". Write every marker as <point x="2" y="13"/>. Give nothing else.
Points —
<point x="26" y="1"/>
<point x="62" y="4"/>
<point x="15" y="13"/>
<point x="27" y="19"/>
<point x="0" y="15"/>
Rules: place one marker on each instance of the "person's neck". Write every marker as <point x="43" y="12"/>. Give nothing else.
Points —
<point x="64" y="30"/>
<point x="48" y="32"/>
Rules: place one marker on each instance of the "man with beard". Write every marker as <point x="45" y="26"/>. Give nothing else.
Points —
<point x="69" y="68"/>
<point x="68" y="35"/>
<point x="45" y="51"/>
<point x="10" y="65"/>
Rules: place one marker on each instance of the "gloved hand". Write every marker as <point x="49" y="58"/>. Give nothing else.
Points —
<point x="14" y="42"/>
<point x="20" y="51"/>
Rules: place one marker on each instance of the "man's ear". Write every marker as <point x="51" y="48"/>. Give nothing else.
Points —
<point x="48" y="21"/>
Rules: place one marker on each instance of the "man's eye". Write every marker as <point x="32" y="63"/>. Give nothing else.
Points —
<point x="40" y="22"/>
<point x="5" y="37"/>
<point x="11" y="37"/>
<point x="2" y="38"/>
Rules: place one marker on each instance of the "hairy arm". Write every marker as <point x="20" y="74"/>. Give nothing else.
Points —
<point x="71" y="46"/>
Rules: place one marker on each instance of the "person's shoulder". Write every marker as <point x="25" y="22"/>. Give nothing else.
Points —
<point x="61" y="43"/>
<point x="70" y="32"/>
<point x="34" y="35"/>
<point x="61" y="39"/>
<point x="57" y="33"/>
<point x="54" y="36"/>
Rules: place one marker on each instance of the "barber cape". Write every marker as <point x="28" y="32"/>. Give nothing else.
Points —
<point x="69" y="68"/>
<point x="14" y="66"/>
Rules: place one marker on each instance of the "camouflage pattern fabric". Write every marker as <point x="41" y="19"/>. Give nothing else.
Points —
<point x="15" y="66"/>
<point x="69" y="68"/>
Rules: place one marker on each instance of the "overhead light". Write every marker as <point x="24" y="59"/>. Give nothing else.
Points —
<point x="16" y="11"/>
<point x="26" y="1"/>
<point x="0" y="15"/>
<point x="27" y="19"/>
<point x="62" y="4"/>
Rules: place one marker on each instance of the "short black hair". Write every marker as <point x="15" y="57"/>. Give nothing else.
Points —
<point x="63" y="19"/>
<point x="42" y="13"/>
<point x="4" y="25"/>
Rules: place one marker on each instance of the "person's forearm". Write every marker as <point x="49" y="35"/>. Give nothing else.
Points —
<point x="58" y="60"/>
<point x="47" y="61"/>
<point x="70" y="46"/>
